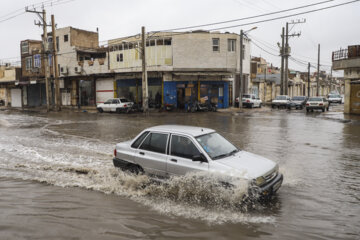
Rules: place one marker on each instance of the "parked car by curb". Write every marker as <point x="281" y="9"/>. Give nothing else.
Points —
<point x="280" y="101"/>
<point x="250" y="101"/>
<point x="335" y="98"/>
<point x="176" y="150"/>
<point x="317" y="103"/>
<point x="117" y="105"/>
<point x="297" y="102"/>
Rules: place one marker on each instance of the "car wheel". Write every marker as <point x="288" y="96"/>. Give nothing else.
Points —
<point x="251" y="105"/>
<point x="312" y="110"/>
<point x="100" y="110"/>
<point x="323" y="109"/>
<point x="272" y="106"/>
<point x="307" y="110"/>
<point x="260" y="105"/>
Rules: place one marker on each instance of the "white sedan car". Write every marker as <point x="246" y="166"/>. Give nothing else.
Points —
<point x="176" y="150"/>
<point x="117" y="105"/>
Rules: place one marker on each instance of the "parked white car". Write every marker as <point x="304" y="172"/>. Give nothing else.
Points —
<point x="176" y="150"/>
<point x="250" y="100"/>
<point x="117" y="105"/>
<point x="317" y="103"/>
<point x="335" y="98"/>
<point x="280" y="101"/>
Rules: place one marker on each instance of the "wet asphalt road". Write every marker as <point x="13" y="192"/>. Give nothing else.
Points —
<point x="57" y="180"/>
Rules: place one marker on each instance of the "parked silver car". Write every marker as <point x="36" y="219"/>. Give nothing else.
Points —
<point x="176" y="150"/>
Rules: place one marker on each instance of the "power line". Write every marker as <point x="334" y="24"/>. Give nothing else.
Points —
<point x="286" y="16"/>
<point x="48" y="3"/>
<point x="246" y="18"/>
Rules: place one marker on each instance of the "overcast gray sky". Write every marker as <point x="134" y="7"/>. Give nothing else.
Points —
<point x="332" y="28"/>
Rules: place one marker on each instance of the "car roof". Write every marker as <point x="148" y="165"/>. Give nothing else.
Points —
<point x="182" y="129"/>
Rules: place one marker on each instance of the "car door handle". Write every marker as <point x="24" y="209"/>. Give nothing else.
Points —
<point x="173" y="160"/>
<point x="142" y="153"/>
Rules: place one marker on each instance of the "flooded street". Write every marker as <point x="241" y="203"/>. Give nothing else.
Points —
<point x="57" y="179"/>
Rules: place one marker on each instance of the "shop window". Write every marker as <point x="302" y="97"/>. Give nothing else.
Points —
<point x="231" y="45"/>
<point x="120" y="47"/>
<point x="131" y="46"/>
<point x="216" y="44"/>
<point x="126" y="46"/>
<point x="66" y="38"/>
<point x="152" y="42"/>
<point x="221" y="92"/>
<point x="160" y="42"/>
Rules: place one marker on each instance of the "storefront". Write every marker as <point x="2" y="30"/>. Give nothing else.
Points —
<point x="132" y="89"/>
<point x="180" y="93"/>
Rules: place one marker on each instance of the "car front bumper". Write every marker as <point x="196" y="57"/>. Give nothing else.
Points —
<point x="271" y="187"/>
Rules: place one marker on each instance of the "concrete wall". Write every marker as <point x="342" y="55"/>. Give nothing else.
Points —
<point x="195" y="51"/>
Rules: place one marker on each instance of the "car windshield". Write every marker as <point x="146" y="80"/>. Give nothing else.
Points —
<point x="315" y="99"/>
<point x="246" y="96"/>
<point x="334" y="96"/>
<point x="280" y="98"/>
<point x="216" y="146"/>
<point x="298" y="98"/>
<point x="124" y="100"/>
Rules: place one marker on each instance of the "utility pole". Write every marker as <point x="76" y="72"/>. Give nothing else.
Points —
<point x="286" y="59"/>
<point x="282" y="62"/>
<point x="287" y="50"/>
<point x="318" y="72"/>
<point x="308" y="78"/>
<point x="42" y="16"/>
<point x="55" y="66"/>
<point x="241" y="68"/>
<point x="144" y="72"/>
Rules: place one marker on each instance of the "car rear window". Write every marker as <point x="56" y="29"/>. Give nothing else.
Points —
<point x="298" y="98"/>
<point x="124" y="100"/>
<point x="139" y="140"/>
<point x="280" y="98"/>
<point x="246" y="96"/>
<point x="315" y="99"/>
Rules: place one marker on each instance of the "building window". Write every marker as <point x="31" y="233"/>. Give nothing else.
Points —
<point x="231" y="45"/>
<point x="28" y="62"/>
<point x="243" y="52"/>
<point x="216" y="44"/>
<point x="57" y="44"/>
<point x="37" y="61"/>
<point x="167" y="41"/>
<point x="66" y="38"/>
<point x="119" y="57"/>
<point x="24" y="47"/>
<point x="50" y="60"/>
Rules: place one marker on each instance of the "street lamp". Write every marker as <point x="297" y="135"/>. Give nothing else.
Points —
<point x="242" y="33"/>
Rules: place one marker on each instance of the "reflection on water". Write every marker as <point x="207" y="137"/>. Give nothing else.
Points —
<point x="319" y="158"/>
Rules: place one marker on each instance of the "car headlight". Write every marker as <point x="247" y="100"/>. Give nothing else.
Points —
<point x="260" y="181"/>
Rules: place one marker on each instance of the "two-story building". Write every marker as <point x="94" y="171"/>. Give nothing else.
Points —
<point x="33" y="72"/>
<point x="83" y="67"/>
<point x="182" y="66"/>
<point x="349" y="61"/>
<point x="10" y="94"/>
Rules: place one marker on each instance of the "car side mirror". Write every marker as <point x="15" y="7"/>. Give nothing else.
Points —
<point x="199" y="158"/>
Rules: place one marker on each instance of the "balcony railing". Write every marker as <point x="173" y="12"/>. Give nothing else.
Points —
<point x="350" y="52"/>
